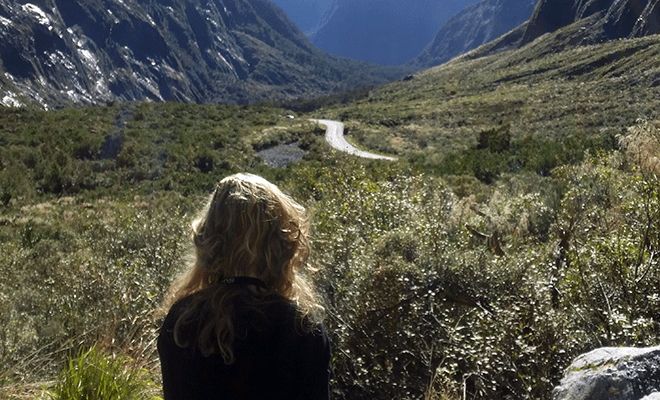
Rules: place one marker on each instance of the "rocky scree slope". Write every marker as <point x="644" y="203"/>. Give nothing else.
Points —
<point x="58" y="53"/>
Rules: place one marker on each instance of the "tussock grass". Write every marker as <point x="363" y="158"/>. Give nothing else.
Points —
<point x="92" y="374"/>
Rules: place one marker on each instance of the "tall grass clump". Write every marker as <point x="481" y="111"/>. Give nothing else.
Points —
<point x="93" y="374"/>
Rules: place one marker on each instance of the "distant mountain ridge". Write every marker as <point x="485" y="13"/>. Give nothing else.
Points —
<point x="386" y="32"/>
<point x="58" y="53"/>
<point x="474" y="26"/>
<point x="327" y="16"/>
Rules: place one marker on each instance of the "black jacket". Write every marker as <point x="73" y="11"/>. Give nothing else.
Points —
<point x="274" y="359"/>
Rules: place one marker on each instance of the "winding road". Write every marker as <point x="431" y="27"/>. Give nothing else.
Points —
<point x="334" y="135"/>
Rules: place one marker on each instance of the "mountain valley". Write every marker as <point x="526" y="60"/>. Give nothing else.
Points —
<point x="386" y="32"/>
<point x="476" y="25"/>
<point x="516" y="230"/>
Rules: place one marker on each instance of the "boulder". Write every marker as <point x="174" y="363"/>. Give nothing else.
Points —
<point x="612" y="373"/>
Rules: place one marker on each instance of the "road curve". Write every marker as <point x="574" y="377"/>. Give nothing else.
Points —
<point x="334" y="135"/>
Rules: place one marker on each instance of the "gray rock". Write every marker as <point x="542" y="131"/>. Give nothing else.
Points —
<point x="612" y="373"/>
<point x="652" y="396"/>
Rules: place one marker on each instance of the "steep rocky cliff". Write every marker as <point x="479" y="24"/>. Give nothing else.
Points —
<point x="582" y="22"/>
<point x="508" y="24"/>
<point x="59" y="53"/>
<point x="477" y="24"/>
<point x="603" y="19"/>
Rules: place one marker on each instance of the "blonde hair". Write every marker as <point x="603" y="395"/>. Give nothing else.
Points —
<point x="247" y="228"/>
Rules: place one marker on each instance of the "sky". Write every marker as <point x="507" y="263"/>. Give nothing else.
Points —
<point x="305" y="13"/>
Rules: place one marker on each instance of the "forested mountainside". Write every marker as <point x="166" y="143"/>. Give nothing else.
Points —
<point x="58" y="53"/>
<point x="387" y="32"/>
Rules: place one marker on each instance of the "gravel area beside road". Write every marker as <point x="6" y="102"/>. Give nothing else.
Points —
<point x="280" y="156"/>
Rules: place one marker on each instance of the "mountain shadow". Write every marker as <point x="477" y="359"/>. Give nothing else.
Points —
<point x="474" y="26"/>
<point x="386" y="32"/>
<point x="586" y="22"/>
<point x="491" y="26"/>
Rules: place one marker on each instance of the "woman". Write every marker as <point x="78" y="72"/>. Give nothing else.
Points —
<point x="245" y="324"/>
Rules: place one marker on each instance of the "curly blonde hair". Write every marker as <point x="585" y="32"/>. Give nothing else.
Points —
<point x="247" y="228"/>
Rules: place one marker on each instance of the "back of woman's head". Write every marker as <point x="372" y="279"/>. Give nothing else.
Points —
<point x="247" y="228"/>
<point x="250" y="228"/>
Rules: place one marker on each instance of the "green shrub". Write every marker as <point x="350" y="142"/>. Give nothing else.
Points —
<point x="494" y="293"/>
<point x="497" y="140"/>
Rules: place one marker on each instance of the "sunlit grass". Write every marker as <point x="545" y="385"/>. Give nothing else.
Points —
<point x="93" y="374"/>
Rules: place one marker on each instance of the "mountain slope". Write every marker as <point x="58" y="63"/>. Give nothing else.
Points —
<point x="306" y="14"/>
<point x="610" y="19"/>
<point x="477" y="24"/>
<point x="546" y="100"/>
<point x="59" y="53"/>
<point x="583" y="22"/>
<point x="387" y="32"/>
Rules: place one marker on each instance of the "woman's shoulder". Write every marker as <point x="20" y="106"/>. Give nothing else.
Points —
<point x="180" y="305"/>
<point x="183" y="302"/>
<point x="271" y="309"/>
<point x="175" y="311"/>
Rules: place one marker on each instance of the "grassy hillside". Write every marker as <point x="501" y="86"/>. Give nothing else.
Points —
<point x="517" y="231"/>
<point x="560" y="103"/>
